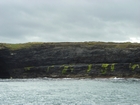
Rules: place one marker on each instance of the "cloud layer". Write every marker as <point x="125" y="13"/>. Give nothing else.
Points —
<point x="69" y="20"/>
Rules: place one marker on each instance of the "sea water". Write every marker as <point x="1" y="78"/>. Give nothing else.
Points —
<point x="46" y="91"/>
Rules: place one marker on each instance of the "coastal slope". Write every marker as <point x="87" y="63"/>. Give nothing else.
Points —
<point x="70" y="60"/>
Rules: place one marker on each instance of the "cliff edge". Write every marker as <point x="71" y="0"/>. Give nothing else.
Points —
<point x="70" y="59"/>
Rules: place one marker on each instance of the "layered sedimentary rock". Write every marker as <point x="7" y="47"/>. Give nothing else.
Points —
<point x="87" y="59"/>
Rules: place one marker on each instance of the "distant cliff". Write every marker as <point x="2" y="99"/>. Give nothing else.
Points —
<point x="80" y="59"/>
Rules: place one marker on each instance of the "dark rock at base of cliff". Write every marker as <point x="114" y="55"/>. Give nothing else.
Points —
<point x="79" y="70"/>
<point x="4" y="73"/>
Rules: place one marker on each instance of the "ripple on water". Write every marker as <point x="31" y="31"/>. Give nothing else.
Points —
<point x="68" y="91"/>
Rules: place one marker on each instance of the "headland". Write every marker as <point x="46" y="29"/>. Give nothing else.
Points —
<point x="70" y="60"/>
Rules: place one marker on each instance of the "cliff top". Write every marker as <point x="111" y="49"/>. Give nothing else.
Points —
<point x="66" y="44"/>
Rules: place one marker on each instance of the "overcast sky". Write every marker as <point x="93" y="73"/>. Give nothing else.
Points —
<point x="69" y="20"/>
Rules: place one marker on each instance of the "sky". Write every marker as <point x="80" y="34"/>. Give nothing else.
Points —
<point x="24" y="21"/>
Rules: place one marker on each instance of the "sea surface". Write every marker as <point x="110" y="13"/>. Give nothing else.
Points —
<point x="47" y="91"/>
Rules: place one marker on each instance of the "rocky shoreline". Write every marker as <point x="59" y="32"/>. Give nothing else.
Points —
<point x="70" y="60"/>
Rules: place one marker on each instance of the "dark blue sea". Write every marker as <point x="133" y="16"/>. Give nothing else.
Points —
<point x="47" y="91"/>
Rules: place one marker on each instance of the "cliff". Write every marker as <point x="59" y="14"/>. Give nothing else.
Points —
<point x="65" y="59"/>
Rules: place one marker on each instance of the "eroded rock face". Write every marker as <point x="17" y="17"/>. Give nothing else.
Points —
<point x="4" y="73"/>
<point x="71" y="60"/>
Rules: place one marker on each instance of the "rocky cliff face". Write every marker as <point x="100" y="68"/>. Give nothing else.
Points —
<point x="71" y="60"/>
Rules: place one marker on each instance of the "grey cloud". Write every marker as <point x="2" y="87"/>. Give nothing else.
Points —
<point x="71" y="20"/>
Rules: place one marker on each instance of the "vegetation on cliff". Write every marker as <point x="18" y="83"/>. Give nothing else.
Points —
<point x="70" y="59"/>
<point x="86" y="44"/>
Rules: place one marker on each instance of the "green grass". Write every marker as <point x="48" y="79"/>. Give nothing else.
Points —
<point x="113" y="67"/>
<point x="71" y="68"/>
<point x="103" y="71"/>
<point x="19" y="46"/>
<point x="89" y="68"/>
<point x="66" y="44"/>
<point x="49" y="67"/>
<point x="104" y="68"/>
<point x="64" y="71"/>
<point x="134" y="66"/>
<point x="105" y="65"/>
<point x="27" y="68"/>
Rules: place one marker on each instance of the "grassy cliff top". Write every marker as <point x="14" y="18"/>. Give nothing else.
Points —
<point x="80" y="44"/>
<point x="19" y="45"/>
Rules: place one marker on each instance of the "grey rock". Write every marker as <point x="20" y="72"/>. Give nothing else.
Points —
<point x="60" y="60"/>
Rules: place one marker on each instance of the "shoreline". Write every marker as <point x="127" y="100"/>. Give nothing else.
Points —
<point x="46" y="78"/>
<point x="70" y="59"/>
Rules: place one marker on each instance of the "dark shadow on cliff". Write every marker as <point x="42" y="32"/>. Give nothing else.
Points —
<point x="3" y="69"/>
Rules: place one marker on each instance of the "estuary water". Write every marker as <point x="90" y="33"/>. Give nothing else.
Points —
<point x="46" y="91"/>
